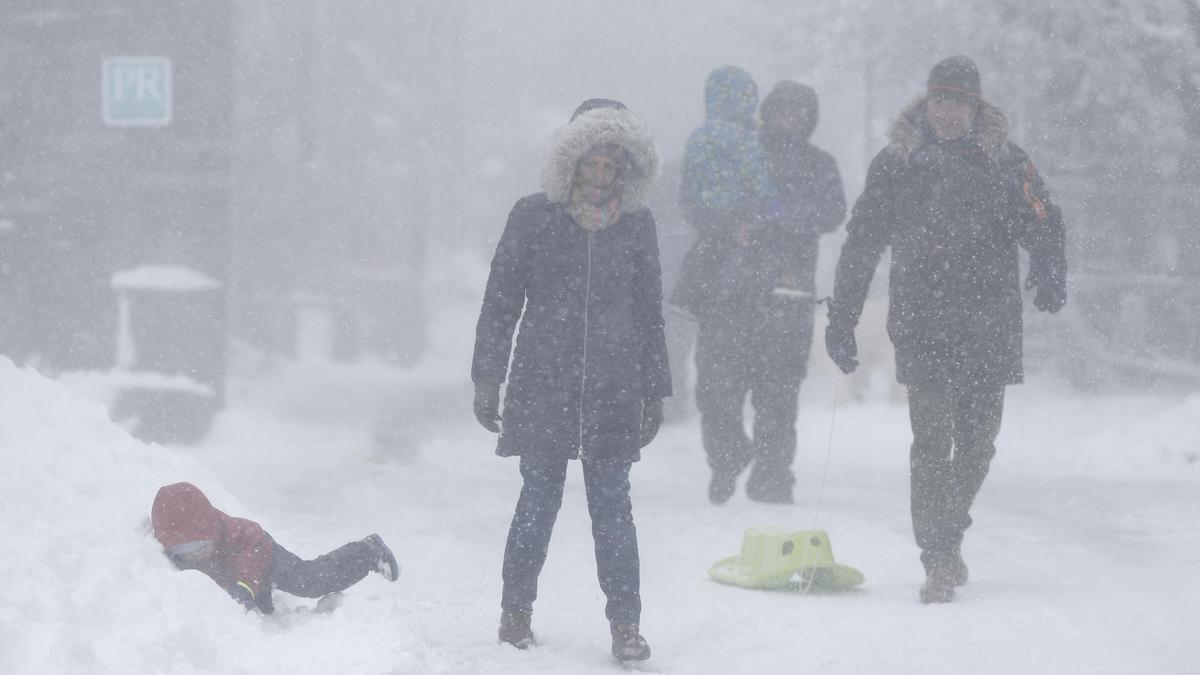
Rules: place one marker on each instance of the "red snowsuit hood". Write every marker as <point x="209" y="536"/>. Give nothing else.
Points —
<point x="182" y="513"/>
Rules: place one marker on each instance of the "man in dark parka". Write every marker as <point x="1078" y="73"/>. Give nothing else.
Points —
<point x="954" y="199"/>
<point x="577" y="266"/>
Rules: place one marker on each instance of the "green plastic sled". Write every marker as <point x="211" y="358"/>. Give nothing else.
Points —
<point x="776" y="559"/>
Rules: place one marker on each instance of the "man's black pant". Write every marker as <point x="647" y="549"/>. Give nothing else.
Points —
<point x="606" y="482"/>
<point x="335" y="571"/>
<point x="765" y="356"/>
<point x="954" y="433"/>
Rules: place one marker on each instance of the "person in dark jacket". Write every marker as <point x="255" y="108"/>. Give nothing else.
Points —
<point x="577" y="266"/>
<point x="770" y="362"/>
<point x="805" y="177"/>
<point x="246" y="562"/>
<point x="954" y="199"/>
<point x="758" y="202"/>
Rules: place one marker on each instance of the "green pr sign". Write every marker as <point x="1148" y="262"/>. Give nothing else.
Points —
<point x="137" y="91"/>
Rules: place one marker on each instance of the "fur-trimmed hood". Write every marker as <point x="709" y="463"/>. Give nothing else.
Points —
<point x="595" y="127"/>
<point x="910" y="131"/>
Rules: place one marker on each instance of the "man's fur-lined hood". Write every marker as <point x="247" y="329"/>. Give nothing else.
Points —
<point x="596" y="127"/>
<point x="910" y="131"/>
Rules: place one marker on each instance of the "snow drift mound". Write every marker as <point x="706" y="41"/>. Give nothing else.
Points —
<point x="83" y="584"/>
<point x="79" y="564"/>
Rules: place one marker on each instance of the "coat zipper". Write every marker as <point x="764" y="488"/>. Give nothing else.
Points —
<point x="587" y="297"/>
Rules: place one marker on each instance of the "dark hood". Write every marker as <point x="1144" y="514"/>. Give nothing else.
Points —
<point x="593" y="103"/>
<point x="793" y="94"/>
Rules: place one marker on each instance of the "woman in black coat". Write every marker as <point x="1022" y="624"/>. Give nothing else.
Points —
<point x="578" y="267"/>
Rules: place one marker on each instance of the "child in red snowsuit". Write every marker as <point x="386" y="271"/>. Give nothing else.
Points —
<point x="246" y="562"/>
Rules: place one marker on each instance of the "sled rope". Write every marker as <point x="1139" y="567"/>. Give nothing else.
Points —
<point x="828" y="302"/>
<point x="806" y="584"/>
<point x="828" y="455"/>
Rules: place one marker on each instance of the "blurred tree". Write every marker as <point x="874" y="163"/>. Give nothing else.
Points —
<point x="348" y="142"/>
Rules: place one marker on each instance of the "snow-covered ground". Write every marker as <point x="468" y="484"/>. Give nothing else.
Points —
<point x="1082" y="554"/>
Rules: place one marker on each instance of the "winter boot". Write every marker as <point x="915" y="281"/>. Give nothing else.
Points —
<point x="939" y="579"/>
<point x="515" y="630"/>
<point x="770" y="488"/>
<point x="721" y="487"/>
<point x="953" y="559"/>
<point x="938" y="587"/>
<point x="958" y="569"/>
<point x="386" y="563"/>
<point x="628" y="644"/>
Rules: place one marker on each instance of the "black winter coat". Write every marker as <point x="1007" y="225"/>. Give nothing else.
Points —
<point x="590" y="348"/>
<point x="954" y="215"/>
<point x="814" y="203"/>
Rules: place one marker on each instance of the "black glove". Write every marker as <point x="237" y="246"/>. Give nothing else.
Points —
<point x="1051" y="289"/>
<point x="242" y="593"/>
<point x="842" y="348"/>
<point x="487" y="405"/>
<point x="1050" y="298"/>
<point x="652" y="419"/>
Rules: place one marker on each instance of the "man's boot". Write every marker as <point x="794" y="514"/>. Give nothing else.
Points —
<point x="958" y="569"/>
<point x="722" y="486"/>
<point x="770" y="487"/>
<point x="628" y="644"/>
<point x="939" y="579"/>
<point x="515" y="630"/>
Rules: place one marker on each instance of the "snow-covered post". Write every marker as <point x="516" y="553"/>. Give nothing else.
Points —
<point x="170" y="351"/>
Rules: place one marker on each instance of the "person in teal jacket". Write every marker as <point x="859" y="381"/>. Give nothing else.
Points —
<point x="726" y="193"/>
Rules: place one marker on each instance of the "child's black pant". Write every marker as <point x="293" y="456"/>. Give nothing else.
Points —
<point x="335" y="571"/>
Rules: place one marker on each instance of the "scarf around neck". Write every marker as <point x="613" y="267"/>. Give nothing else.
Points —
<point x="595" y="213"/>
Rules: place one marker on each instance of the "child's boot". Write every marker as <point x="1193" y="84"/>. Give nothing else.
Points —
<point x="386" y="563"/>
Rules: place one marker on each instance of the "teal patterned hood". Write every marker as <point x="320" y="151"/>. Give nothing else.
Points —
<point x="724" y="171"/>
<point x="730" y="94"/>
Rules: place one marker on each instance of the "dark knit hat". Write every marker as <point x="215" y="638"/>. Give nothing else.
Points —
<point x="956" y="79"/>
<point x="593" y="103"/>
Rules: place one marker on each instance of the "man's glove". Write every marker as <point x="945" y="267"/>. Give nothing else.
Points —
<point x="1051" y="289"/>
<point x="487" y="405"/>
<point x="652" y="419"/>
<point x="1050" y="298"/>
<point x="842" y="348"/>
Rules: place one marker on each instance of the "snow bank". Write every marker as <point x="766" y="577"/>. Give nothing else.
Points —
<point x="80" y="567"/>
<point x="85" y="585"/>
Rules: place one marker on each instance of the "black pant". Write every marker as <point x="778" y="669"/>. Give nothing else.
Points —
<point x="335" y="571"/>
<point x="954" y="433"/>
<point x="763" y="354"/>
<point x="607" y="484"/>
